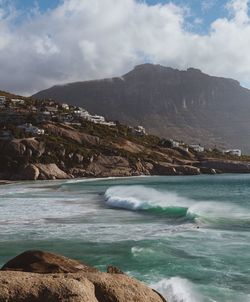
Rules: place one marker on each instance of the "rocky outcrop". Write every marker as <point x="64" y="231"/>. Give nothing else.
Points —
<point x="23" y="147"/>
<point x="72" y="134"/>
<point x="40" y="171"/>
<point x="30" y="172"/>
<point x="44" y="263"/>
<point x="51" y="171"/>
<point x="225" y="166"/>
<point x="162" y="168"/>
<point x="85" y="284"/>
<point x="105" y="166"/>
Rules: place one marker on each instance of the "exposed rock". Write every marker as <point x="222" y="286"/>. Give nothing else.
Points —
<point x="78" y="158"/>
<point x="51" y="171"/>
<point x="28" y="287"/>
<point x="114" y="270"/>
<point x="226" y="166"/>
<point x="45" y="262"/>
<point x="14" y="148"/>
<point x="162" y="168"/>
<point x="121" y="288"/>
<point x="205" y="170"/>
<point x="30" y="172"/>
<point x="72" y="134"/>
<point x="78" y="172"/>
<point x="85" y="284"/>
<point x="187" y="170"/>
<point x="37" y="148"/>
<point x="105" y="166"/>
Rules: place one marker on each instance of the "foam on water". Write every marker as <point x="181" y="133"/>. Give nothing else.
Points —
<point x="177" y="289"/>
<point x="141" y="198"/>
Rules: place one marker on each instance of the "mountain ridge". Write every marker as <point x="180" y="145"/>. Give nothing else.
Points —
<point x="188" y="105"/>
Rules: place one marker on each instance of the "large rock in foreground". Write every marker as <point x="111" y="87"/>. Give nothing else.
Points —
<point x="19" y="283"/>
<point x="44" y="263"/>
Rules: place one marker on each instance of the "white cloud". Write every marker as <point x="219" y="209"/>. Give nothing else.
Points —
<point x="83" y="39"/>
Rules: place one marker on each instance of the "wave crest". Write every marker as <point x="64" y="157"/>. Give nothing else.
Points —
<point x="141" y="198"/>
<point x="177" y="289"/>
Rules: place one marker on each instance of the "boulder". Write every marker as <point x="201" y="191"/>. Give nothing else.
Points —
<point x="30" y="277"/>
<point x="187" y="170"/>
<point x="30" y="172"/>
<point x="37" y="148"/>
<point x="45" y="262"/>
<point x="28" y="287"/>
<point x="51" y="171"/>
<point x="162" y="168"/>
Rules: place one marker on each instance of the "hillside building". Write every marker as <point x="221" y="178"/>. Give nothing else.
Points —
<point x="235" y="152"/>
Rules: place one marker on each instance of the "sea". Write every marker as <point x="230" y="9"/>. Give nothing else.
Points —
<point x="188" y="237"/>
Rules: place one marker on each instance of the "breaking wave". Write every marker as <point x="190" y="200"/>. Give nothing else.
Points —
<point x="177" y="289"/>
<point x="170" y="204"/>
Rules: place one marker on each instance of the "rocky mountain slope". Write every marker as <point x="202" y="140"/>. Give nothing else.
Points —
<point x="36" y="276"/>
<point x="90" y="150"/>
<point x="187" y="105"/>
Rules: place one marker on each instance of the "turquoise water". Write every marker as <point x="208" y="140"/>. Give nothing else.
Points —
<point x="188" y="237"/>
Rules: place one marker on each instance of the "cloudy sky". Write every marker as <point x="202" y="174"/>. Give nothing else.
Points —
<point x="48" y="42"/>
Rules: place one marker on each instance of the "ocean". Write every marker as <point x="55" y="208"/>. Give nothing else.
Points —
<point x="188" y="237"/>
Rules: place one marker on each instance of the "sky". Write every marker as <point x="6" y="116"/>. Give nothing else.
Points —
<point x="50" y="42"/>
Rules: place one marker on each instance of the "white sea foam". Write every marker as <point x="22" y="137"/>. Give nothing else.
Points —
<point x="204" y="212"/>
<point x="177" y="290"/>
<point x="143" y="198"/>
<point x="138" y="251"/>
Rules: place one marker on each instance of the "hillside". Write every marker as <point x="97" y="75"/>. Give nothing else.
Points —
<point x="186" y="105"/>
<point x="48" y="140"/>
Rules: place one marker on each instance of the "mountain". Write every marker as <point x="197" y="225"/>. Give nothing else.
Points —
<point x="187" y="105"/>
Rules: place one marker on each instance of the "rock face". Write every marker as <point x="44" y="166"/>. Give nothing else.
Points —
<point x="51" y="171"/>
<point x="86" y="284"/>
<point x="225" y="166"/>
<point x="110" y="166"/>
<point x="44" y="263"/>
<point x="188" y="105"/>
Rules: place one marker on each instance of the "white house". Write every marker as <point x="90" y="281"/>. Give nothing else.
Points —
<point x="18" y="101"/>
<point x="139" y="130"/>
<point x="2" y="100"/>
<point x="236" y="152"/>
<point x="175" y="144"/>
<point x="197" y="148"/>
<point x="29" y="128"/>
<point x="65" y="106"/>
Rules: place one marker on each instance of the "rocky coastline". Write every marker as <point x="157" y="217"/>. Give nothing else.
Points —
<point x="37" y="276"/>
<point x="94" y="151"/>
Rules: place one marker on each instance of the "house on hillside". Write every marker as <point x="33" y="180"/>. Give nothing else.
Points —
<point x="235" y="152"/>
<point x="30" y="129"/>
<point x="97" y="119"/>
<point x="17" y="101"/>
<point x="2" y="100"/>
<point x="139" y="130"/>
<point x="197" y="148"/>
<point x="65" y="106"/>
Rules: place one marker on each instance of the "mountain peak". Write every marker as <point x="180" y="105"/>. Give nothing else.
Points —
<point x="188" y="105"/>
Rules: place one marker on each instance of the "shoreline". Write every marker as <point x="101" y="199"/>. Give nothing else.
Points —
<point x="9" y="182"/>
<point x="6" y="182"/>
